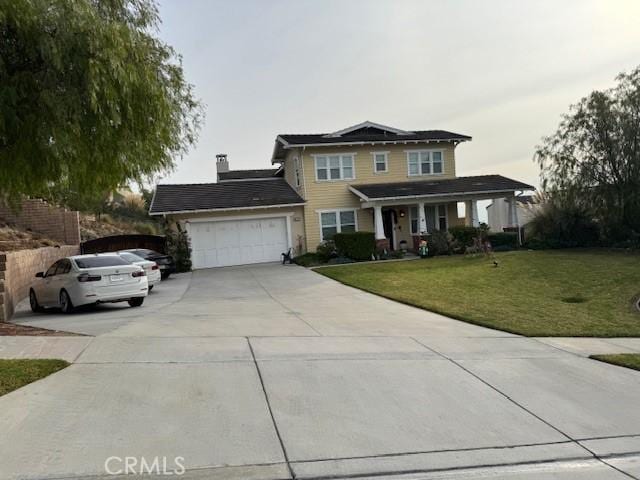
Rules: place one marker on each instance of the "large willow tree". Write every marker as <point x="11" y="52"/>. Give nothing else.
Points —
<point x="90" y="98"/>
<point x="593" y="159"/>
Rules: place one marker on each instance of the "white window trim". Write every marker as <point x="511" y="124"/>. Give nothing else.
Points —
<point x="386" y="162"/>
<point x="337" y="212"/>
<point x="437" y="219"/>
<point x="425" y="150"/>
<point x="335" y="154"/>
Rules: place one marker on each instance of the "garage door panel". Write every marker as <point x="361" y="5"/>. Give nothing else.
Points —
<point x="237" y="242"/>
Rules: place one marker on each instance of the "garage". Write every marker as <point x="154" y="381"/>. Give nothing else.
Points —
<point x="222" y="243"/>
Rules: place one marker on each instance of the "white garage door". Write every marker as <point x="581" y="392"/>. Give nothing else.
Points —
<point x="237" y="242"/>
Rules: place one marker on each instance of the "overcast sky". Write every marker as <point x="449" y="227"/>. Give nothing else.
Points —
<point x="501" y="71"/>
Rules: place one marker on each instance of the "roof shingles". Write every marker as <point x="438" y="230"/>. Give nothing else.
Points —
<point x="460" y="185"/>
<point x="247" y="174"/>
<point x="418" y="135"/>
<point x="221" y="196"/>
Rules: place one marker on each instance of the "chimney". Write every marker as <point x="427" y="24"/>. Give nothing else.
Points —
<point x="222" y="164"/>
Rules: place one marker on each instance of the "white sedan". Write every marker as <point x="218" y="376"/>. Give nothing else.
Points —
<point x="86" y="279"/>
<point x="152" y="269"/>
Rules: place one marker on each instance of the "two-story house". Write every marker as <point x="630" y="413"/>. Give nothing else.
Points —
<point x="399" y="184"/>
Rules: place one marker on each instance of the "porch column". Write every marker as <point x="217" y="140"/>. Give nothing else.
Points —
<point x="513" y="212"/>
<point x="379" y="226"/>
<point x="475" y="220"/>
<point x="513" y="217"/>
<point x="471" y="213"/>
<point x="422" y="219"/>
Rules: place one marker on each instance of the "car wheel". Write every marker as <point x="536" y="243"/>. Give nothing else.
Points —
<point x="150" y="287"/>
<point x="33" y="302"/>
<point x="136" y="301"/>
<point x="65" y="302"/>
<point x="164" y="275"/>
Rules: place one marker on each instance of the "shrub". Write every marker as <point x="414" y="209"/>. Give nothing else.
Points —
<point x="463" y="235"/>
<point x="561" y="223"/>
<point x="307" y="260"/>
<point x="145" y="228"/>
<point x="340" y="261"/>
<point x="440" y="243"/>
<point x="326" y="250"/>
<point x="178" y="247"/>
<point x="503" y="241"/>
<point x="356" y="245"/>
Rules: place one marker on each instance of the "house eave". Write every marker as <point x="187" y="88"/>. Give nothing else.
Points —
<point x="364" y="198"/>
<point x="228" y="209"/>
<point x="375" y="142"/>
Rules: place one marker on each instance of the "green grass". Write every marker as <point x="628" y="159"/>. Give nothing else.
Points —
<point x="533" y="293"/>
<point x="629" y="360"/>
<point x="17" y="373"/>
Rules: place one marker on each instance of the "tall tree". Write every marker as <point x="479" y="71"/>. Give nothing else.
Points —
<point x="90" y="98"/>
<point x="593" y="159"/>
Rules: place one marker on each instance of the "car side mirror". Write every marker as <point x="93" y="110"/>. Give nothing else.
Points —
<point x="40" y="274"/>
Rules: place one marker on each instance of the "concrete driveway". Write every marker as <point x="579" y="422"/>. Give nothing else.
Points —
<point x="274" y="372"/>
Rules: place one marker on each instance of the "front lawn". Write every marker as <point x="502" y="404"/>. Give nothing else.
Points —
<point x="629" y="360"/>
<point x="17" y="373"/>
<point x="534" y="293"/>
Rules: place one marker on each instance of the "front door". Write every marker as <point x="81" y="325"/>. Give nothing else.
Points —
<point x="389" y="224"/>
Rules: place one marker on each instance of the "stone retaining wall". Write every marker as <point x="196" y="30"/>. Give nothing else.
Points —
<point x="17" y="273"/>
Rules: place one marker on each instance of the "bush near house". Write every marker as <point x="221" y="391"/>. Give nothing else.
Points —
<point x="356" y="245"/>
<point x="326" y="250"/>
<point x="562" y="223"/>
<point x="502" y="241"/>
<point x="440" y="243"/>
<point x="308" y="260"/>
<point x="463" y="235"/>
<point x="179" y="248"/>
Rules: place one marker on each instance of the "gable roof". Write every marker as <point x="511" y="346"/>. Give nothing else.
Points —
<point x="248" y="174"/>
<point x="428" y="188"/>
<point x="202" y="197"/>
<point x="361" y="134"/>
<point x="370" y="126"/>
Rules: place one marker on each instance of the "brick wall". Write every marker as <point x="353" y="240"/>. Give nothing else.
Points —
<point x="56" y="223"/>
<point x="18" y="270"/>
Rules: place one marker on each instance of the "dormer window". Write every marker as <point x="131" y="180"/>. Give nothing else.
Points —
<point x="334" y="167"/>
<point x="424" y="162"/>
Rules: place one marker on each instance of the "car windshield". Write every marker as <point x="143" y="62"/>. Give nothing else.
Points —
<point x="101" y="261"/>
<point x="143" y="252"/>
<point x="130" y="257"/>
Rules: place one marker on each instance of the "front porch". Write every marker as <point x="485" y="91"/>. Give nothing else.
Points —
<point x="404" y="213"/>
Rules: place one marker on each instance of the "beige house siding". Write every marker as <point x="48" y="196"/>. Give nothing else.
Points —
<point x="290" y="171"/>
<point x="328" y="195"/>
<point x="297" y="220"/>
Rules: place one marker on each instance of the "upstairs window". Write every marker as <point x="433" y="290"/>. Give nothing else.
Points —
<point x="424" y="162"/>
<point x="334" y="167"/>
<point x="380" y="162"/>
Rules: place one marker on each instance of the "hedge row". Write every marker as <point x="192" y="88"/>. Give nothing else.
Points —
<point x="357" y="245"/>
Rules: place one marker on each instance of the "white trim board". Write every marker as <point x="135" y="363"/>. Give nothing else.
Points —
<point x="230" y="209"/>
<point x="238" y="217"/>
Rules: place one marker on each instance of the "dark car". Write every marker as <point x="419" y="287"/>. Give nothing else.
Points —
<point x="165" y="262"/>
